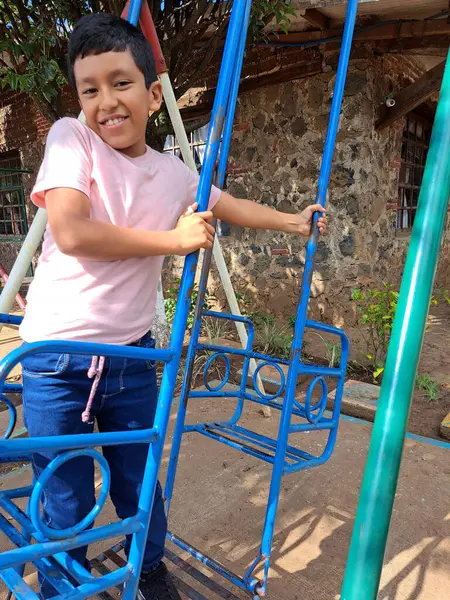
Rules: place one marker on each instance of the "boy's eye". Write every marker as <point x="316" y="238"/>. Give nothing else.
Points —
<point x="89" y="91"/>
<point x="122" y="83"/>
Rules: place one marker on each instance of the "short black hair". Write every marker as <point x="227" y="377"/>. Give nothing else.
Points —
<point x="101" y="32"/>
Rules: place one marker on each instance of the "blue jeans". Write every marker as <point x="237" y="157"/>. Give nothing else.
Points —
<point x="55" y="391"/>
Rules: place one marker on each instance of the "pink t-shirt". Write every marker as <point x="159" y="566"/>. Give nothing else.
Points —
<point x="111" y="302"/>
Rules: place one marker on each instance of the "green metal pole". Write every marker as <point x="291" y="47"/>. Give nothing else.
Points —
<point x="367" y="548"/>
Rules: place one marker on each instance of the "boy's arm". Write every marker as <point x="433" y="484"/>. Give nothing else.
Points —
<point x="76" y="234"/>
<point x="246" y="213"/>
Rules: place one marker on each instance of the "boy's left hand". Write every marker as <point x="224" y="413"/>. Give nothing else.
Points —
<point x="305" y="218"/>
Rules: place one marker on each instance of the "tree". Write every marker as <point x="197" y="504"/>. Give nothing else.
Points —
<point x="34" y="34"/>
<point x="33" y="44"/>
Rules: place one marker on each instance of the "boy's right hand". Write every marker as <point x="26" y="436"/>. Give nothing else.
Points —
<point x="193" y="231"/>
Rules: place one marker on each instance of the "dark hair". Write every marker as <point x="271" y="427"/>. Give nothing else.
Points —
<point x="102" y="32"/>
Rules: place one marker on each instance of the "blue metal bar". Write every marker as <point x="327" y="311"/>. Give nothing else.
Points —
<point x="232" y="44"/>
<point x="23" y="492"/>
<point x="326" y="328"/>
<point x="81" y="440"/>
<point x="215" y="435"/>
<point x="11" y="319"/>
<point x="228" y="317"/>
<point x="88" y="590"/>
<point x="17" y="585"/>
<point x="303" y="465"/>
<point x="224" y="104"/>
<point x="184" y="296"/>
<point x="304" y="369"/>
<point x="13" y="388"/>
<point x="18" y="556"/>
<point x="242" y="352"/>
<point x="65" y="560"/>
<point x="301" y="427"/>
<point x="214" y="565"/>
<point x="53" y="576"/>
<point x="302" y="308"/>
<point x="231" y="108"/>
<point x="134" y="12"/>
<point x="90" y="349"/>
<point x="191" y="570"/>
<point x="259" y="439"/>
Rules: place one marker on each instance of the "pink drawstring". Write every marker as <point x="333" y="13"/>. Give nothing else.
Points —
<point x="94" y="372"/>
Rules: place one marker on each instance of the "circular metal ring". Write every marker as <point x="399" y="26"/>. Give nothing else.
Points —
<point x="12" y="416"/>
<point x="321" y="405"/>
<point x="261" y="394"/>
<point x="224" y="381"/>
<point x="38" y="490"/>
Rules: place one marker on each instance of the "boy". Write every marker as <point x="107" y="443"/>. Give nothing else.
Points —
<point x="114" y="209"/>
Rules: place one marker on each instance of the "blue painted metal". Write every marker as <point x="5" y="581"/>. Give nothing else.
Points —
<point x="280" y="389"/>
<point x="319" y="407"/>
<point x="283" y="456"/>
<point x="137" y="525"/>
<point x="12" y="416"/>
<point x="208" y="363"/>
<point x="134" y="11"/>
<point x="11" y="319"/>
<point x="228" y="82"/>
<point x="38" y="490"/>
<point x="12" y="558"/>
<point x="85" y="440"/>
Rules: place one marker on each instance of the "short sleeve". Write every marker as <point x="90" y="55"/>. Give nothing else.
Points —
<point x="192" y="181"/>
<point x="67" y="160"/>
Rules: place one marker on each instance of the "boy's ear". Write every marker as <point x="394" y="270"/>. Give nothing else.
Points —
<point x="155" y="97"/>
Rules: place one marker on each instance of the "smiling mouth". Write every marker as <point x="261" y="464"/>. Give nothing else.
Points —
<point x="113" y="122"/>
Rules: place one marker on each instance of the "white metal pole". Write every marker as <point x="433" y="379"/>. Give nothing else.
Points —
<point x="23" y="261"/>
<point x="182" y="139"/>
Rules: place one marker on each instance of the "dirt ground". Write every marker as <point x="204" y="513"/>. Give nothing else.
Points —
<point x="219" y="507"/>
<point x="426" y="415"/>
<point x="219" y="503"/>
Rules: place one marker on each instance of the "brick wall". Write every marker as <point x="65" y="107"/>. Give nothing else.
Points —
<point x="23" y="127"/>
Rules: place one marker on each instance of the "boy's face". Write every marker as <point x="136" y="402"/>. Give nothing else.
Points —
<point x="112" y="93"/>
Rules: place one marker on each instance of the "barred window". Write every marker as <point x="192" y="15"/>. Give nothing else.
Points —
<point x="13" y="217"/>
<point x="415" y="142"/>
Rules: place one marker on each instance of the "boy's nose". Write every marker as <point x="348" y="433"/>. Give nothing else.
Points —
<point x="108" y="101"/>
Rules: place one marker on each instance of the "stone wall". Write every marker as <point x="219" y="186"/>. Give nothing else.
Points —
<point x="275" y="159"/>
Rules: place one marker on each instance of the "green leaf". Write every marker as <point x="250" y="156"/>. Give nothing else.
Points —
<point x="378" y="372"/>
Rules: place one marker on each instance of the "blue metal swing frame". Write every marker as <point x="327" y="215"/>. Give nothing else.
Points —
<point x="49" y="553"/>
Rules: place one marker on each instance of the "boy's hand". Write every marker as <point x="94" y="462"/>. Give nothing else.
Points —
<point x="305" y="218"/>
<point x="193" y="231"/>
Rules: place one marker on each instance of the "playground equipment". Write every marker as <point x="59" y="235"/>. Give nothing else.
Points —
<point x="50" y="552"/>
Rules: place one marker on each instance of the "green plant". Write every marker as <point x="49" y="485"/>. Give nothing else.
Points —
<point x="258" y="318"/>
<point x="333" y="352"/>
<point x="215" y="329"/>
<point x="264" y="12"/>
<point x="244" y="303"/>
<point x="376" y="310"/>
<point x="274" y="340"/>
<point x="170" y="302"/>
<point x="429" y="385"/>
<point x="442" y="294"/>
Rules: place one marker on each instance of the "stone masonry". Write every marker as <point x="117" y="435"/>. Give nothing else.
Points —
<point x="275" y="159"/>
